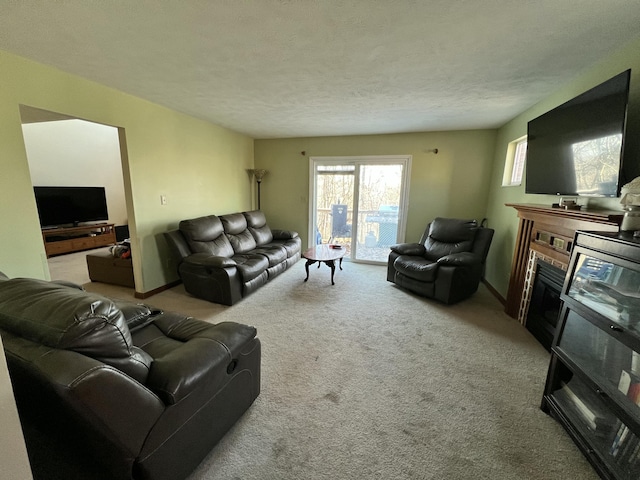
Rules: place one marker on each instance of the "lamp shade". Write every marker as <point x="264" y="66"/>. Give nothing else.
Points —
<point x="258" y="174"/>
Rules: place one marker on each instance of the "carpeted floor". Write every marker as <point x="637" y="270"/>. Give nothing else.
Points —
<point x="364" y="380"/>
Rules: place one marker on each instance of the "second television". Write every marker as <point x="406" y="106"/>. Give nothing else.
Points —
<point x="66" y="206"/>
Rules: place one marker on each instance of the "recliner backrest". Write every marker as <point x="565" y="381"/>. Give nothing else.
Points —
<point x="65" y="318"/>
<point x="206" y="235"/>
<point x="449" y="235"/>
<point x="236" y="230"/>
<point x="482" y="242"/>
<point x="257" y="225"/>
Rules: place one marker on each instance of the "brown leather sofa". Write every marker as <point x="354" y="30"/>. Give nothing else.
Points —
<point x="447" y="263"/>
<point x="223" y="259"/>
<point x="145" y="393"/>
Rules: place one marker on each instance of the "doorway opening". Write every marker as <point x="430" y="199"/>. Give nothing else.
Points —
<point x="360" y="203"/>
<point x="78" y="165"/>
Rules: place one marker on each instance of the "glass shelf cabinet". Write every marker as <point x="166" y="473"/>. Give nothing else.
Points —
<point x="593" y="385"/>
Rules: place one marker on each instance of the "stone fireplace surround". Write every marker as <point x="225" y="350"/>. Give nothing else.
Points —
<point x="546" y="234"/>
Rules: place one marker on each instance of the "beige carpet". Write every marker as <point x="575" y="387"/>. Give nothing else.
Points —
<point x="363" y="380"/>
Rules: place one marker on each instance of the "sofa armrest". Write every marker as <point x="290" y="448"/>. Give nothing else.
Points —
<point x="109" y="400"/>
<point x="284" y="234"/>
<point x="206" y="260"/>
<point x="137" y="315"/>
<point x="460" y="259"/>
<point x="415" y="249"/>
<point x="181" y="371"/>
<point x="208" y="355"/>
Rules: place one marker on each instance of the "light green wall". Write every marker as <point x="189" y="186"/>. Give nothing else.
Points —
<point x="200" y="167"/>
<point x="452" y="183"/>
<point x="504" y="219"/>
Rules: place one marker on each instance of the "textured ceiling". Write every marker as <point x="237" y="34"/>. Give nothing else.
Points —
<point x="292" y="68"/>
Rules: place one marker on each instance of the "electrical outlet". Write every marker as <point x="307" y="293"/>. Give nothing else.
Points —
<point x="163" y="199"/>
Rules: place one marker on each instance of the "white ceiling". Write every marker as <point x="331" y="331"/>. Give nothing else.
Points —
<point x="293" y="68"/>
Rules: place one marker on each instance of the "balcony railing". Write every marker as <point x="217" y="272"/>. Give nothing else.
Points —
<point x="377" y="231"/>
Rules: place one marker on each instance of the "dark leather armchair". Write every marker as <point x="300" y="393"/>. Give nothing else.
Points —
<point x="141" y="393"/>
<point x="448" y="262"/>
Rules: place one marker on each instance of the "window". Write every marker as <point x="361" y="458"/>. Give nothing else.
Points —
<point x="514" y="164"/>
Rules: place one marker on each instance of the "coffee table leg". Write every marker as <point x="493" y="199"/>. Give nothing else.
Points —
<point x="340" y="263"/>
<point x="332" y="265"/>
<point x="306" y="267"/>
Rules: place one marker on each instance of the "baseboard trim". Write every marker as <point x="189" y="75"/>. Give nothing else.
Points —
<point x="155" y="291"/>
<point x="495" y="293"/>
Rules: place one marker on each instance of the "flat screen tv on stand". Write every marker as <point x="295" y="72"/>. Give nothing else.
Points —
<point x="70" y="206"/>
<point x="577" y="148"/>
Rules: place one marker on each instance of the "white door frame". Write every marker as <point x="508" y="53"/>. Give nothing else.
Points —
<point x="404" y="160"/>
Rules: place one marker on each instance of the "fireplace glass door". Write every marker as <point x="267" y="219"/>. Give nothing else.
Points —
<point x="544" y="306"/>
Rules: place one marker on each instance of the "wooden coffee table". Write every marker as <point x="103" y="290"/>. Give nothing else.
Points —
<point x="324" y="253"/>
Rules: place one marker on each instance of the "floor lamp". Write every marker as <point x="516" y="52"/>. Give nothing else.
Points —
<point x="258" y="174"/>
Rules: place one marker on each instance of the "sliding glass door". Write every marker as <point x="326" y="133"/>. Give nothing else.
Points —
<point x="360" y="203"/>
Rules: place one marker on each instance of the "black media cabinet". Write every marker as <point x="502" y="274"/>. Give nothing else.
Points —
<point x="593" y="387"/>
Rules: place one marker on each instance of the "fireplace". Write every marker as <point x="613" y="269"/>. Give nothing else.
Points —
<point x="548" y="232"/>
<point x="544" y="306"/>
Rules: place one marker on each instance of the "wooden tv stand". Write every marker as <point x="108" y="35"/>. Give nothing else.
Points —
<point x="74" y="239"/>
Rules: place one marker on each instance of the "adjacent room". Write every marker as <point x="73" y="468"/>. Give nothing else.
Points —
<point x="284" y="240"/>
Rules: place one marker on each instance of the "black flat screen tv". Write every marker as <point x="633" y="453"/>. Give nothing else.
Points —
<point x="64" y="206"/>
<point x="577" y="148"/>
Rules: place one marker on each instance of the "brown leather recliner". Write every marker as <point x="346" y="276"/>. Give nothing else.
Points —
<point x="448" y="262"/>
<point x="145" y="393"/>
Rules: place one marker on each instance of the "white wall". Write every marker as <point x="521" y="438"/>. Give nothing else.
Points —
<point x="77" y="153"/>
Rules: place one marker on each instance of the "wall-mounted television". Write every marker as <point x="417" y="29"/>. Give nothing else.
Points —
<point x="64" y="206"/>
<point x="577" y="148"/>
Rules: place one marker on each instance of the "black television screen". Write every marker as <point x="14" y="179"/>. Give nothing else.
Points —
<point x="70" y="205"/>
<point x="576" y="148"/>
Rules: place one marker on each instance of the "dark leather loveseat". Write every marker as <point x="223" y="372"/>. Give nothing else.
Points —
<point x="145" y="394"/>
<point x="447" y="263"/>
<point x="225" y="258"/>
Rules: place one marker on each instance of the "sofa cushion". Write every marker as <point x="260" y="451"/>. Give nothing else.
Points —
<point x="275" y="253"/>
<point x="206" y="235"/>
<point x="417" y="268"/>
<point x="449" y="235"/>
<point x="293" y="246"/>
<point x="257" y="225"/>
<point x="250" y="266"/>
<point x="236" y="230"/>
<point x="70" y="319"/>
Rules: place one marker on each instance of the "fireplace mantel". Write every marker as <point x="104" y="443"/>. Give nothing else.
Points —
<point x="549" y="232"/>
